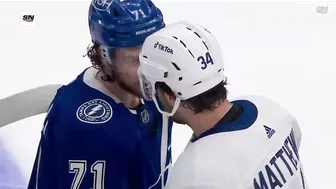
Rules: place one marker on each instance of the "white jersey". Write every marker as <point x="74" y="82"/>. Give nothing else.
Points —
<point x="259" y="150"/>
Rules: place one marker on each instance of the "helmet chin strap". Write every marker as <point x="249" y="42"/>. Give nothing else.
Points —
<point x="164" y="136"/>
<point x="164" y="149"/>
<point x="168" y="114"/>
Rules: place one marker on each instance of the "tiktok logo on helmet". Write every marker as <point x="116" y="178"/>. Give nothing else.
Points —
<point x="163" y="48"/>
<point x="102" y="5"/>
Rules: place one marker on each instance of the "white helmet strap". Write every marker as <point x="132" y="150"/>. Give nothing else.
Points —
<point x="169" y="114"/>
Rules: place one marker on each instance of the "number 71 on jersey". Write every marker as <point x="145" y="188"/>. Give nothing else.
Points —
<point x="79" y="168"/>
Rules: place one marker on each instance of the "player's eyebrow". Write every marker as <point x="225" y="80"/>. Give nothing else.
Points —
<point x="132" y="58"/>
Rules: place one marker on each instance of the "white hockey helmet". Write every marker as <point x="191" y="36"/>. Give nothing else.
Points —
<point x="186" y="57"/>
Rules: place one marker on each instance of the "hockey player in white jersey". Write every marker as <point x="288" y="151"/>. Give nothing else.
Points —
<point x="248" y="143"/>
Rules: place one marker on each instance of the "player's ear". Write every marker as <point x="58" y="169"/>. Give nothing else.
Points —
<point x="163" y="95"/>
<point x="170" y="97"/>
<point x="160" y="93"/>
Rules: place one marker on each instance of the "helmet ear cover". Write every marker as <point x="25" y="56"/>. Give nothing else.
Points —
<point x="101" y="57"/>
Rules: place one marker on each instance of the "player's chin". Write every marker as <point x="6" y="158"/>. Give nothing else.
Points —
<point x="134" y="89"/>
<point x="137" y="91"/>
<point x="133" y="92"/>
<point x="177" y="119"/>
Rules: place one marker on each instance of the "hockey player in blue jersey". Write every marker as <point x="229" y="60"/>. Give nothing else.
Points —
<point x="97" y="133"/>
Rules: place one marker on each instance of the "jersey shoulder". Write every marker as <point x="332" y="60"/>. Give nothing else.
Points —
<point x="79" y="103"/>
<point x="267" y="107"/>
<point x="83" y="112"/>
<point x="272" y="118"/>
<point x="271" y="112"/>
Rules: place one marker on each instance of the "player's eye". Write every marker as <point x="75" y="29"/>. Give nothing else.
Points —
<point x="136" y="61"/>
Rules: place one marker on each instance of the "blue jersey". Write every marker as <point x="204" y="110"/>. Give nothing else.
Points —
<point x="91" y="140"/>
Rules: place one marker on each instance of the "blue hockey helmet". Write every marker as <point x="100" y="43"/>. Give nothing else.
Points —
<point x="123" y="23"/>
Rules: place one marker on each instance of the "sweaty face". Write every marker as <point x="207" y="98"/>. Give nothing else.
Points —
<point x="126" y="62"/>
<point x="168" y="104"/>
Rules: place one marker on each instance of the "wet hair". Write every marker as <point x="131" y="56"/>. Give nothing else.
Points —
<point x="209" y="100"/>
<point x="95" y="59"/>
<point x="91" y="53"/>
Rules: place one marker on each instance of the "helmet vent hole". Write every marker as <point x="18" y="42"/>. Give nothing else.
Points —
<point x="191" y="53"/>
<point x="175" y="37"/>
<point x="179" y="93"/>
<point x="188" y="28"/>
<point x="206" y="30"/>
<point x="197" y="83"/>
<point x="165" y="75"/>
<point x="144" y="56"/>
<point x="183" y="44"/>
<point x="219" y="70"/>
<point x="115" y="12"/>
<point x="197" y="35"/>
<point x="176" y="67"/>
<point x="180" y="78"/>
<point x="205" y="45"/>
